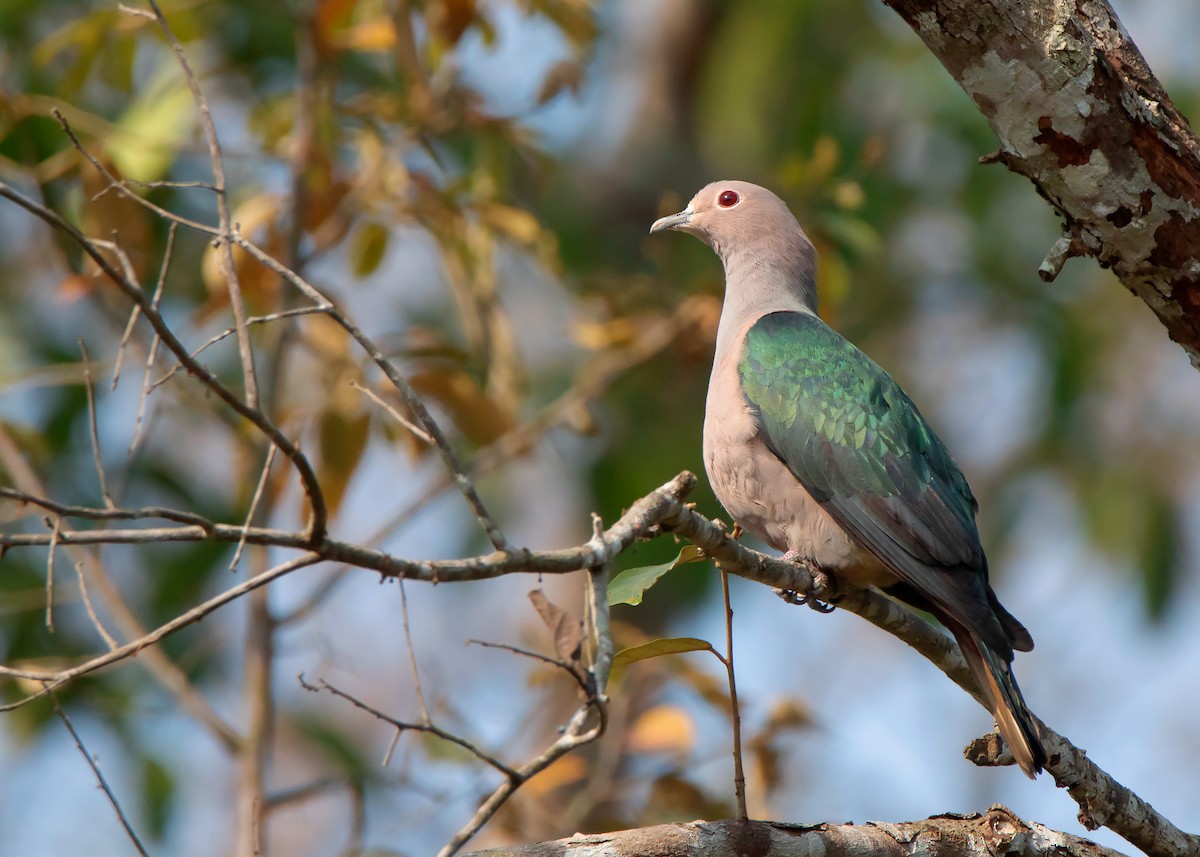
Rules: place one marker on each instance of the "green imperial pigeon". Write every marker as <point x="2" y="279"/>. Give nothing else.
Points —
<point x="812" y="447"/>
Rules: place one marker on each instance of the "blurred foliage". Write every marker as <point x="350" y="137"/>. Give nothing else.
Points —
<point x="365" y="147"/>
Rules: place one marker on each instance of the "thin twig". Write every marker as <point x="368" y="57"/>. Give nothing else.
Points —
<point x="395" y="414"/>
<point x="121" y="185"/>
<point x="412" y="654"/>
<point x="133" y="317"/>
<point x="161" y="668"/>
<point x="411" y="400"/>
<point x="56" y="680"/>
<point x="739" y="776"/>
<point x="152" y="353"/>
<point x="403" y="726"/>
<point x="258" y="493"/>
<point x="574" y="735"/>
<point x="546" y="659"/>
<point x="225" y="248"/>
<point x="92" y="424"/>
<point x="50" y="575"/>
<point x="250" y="322"/>
<point x="595" y="379"/>
<point x="91" y="611"/>
<point x="112" y="798"/>
<point x="308" y="478"/>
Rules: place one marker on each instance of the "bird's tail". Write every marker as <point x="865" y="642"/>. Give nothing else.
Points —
<point x="994" y="676"/>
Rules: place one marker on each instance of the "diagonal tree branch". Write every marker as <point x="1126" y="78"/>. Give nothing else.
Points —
<point x="998" y="831"/>
<point x="1079" y="113"/>
<point x="1102" y="799"/>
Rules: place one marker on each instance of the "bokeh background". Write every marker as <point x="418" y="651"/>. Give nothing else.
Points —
<point x="477" y="180"/>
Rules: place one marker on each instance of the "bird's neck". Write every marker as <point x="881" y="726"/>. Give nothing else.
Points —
<point x="759" y="281"/>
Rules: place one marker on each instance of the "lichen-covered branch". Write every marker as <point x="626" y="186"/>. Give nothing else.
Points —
<point x="998" y="831"/>
<point x="1078" y="112"/>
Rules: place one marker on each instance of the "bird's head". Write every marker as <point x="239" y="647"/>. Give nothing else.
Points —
<point x="730" y="214"/>
<point x="755" y="235"/>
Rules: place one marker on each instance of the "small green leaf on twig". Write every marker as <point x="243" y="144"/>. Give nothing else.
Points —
<point x="630" y="585"/>
<point x="660" y="647"/>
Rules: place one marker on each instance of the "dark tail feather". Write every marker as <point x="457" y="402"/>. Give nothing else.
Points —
<point x="1004" y="701"/>
<point x="1018" y="637"/>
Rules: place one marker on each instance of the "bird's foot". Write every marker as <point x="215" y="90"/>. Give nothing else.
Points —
<point x="822" y="581"/>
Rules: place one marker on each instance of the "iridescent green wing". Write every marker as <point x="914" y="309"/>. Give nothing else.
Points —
<point x="859" y="445"/>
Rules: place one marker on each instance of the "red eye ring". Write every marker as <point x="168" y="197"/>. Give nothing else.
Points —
<point x="728" y="199"/>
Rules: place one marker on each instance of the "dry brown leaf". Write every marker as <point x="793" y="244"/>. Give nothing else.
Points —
<point x="258" y="219"/>
<point x="566" y="629"/>
<point x="476" y="414"/>
<point x="564" y="75"/>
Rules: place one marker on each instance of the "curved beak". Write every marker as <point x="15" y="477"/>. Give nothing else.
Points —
<point x="672" y="221"/>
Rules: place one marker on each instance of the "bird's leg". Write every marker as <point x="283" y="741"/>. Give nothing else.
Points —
<point x="736" y="532"/>
<point x="821" y="581"/>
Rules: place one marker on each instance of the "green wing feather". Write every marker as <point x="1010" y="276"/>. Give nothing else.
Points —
<point x="859" y="445"/>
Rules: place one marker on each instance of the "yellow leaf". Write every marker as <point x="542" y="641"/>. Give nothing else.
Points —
<point x="342" y="439"/>
<point x="664" y="728"/>
<point x="562" y="772"/>
<point x="374" y="36"/>
<point x="368" y="248"/>
<point x="148" y="136"/>
<point x="515" y="223"/>
<point x="598" y="335"/>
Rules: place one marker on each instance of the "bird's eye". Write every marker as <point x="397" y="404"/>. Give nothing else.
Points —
<point x="728" y="199"/>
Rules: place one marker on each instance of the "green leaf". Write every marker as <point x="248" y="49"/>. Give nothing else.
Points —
<point x="660" y="647"/>
<point x="158" y="795"/>
<point x="367" y="248"/>
<point x="155" y="125"/>
<point x="630" y="585"/>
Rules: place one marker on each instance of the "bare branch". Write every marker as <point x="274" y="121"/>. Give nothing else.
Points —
<point x="536" y="656"/>
<point x="1099" y="110"/>
<point x="134" y="314"/>
<point x="308" y="477"/>
<point x="258" y="319"/>
<point x="152" y="352"/>
<point x="92" y="424"/>
<point x="225" y="248"/>
<point x="122" y="185"/>
<point x="258" y="492"/>
<point x="112" y="798"/>
<point x="50" y="575"/>
<point x="57" y="679"/>
<point x="91" y="611"/>
<point x="403" y="726"/>
<point x="411" y="400"/>
<point x="161" y="667"/>
<point x="739" y="776"/>
<point x="664" y="510"/>
<point x="412" y="654"/>
<point x="395" y="414"/>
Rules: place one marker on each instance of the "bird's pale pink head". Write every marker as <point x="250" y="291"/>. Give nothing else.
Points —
<point x="758" y="239"/>
<point x="727" y="214"/>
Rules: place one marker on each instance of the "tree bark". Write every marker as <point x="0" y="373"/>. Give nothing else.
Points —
<point x="1079" y="113"/>
<point x="998" y="831"/>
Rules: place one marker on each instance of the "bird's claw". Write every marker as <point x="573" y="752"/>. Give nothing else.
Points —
<point x="791" y="596"/>
<point x="821" y="582"/>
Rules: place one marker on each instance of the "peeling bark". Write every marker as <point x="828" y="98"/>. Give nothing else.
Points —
<point x="1079" y="113"/>
<point x="998" y="831"/>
